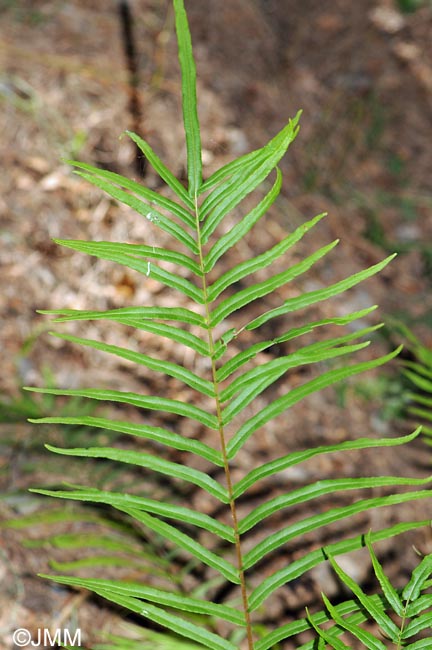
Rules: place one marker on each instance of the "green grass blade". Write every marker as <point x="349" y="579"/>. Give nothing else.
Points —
<point x="313" y="297"/>
<point x="299" y="567"/>
<point x="260" y="261"/>
<point x="290" y="460"/>
<point x="154" y="198"/>
<point x="127" y="253"/>
<point x="178" y="314"/>
<point x="246" y="296"/>
<point x="284" y="402"/>
<point x="156" y="464"/>
<point x="151" y="402"/>
<point x="126" y="501"/>
<point x="237" y="232"/>
<point x="319" y="489"/>
<point x="166" y="367"/>
<point x="315" y="522"/>
<point x="162" y="170"/>
<point x="189" y="99"/>
<point x="157" y="434"/>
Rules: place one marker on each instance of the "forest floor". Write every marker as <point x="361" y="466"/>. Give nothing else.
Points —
<point x="362" y="73"/>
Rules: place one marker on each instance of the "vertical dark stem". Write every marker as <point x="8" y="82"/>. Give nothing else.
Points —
<point x="227" y="470"/>
<point x="135" y="108"/>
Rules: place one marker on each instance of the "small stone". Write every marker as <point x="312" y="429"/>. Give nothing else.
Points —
<point x="387" y="19"/>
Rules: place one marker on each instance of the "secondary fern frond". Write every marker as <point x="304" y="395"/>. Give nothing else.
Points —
<point x="412" y="607"/>
<point x="419" y="373"/>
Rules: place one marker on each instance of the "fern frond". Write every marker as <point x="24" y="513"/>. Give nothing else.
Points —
<point x="203" y="386"/>
<point x="233" y="236"/>
<point x="125" y="314"/>
<point x="176" y="334"/>
<point x="177" y="624"/>
<point x="150" y="402"/>
<point x="95" y="175"/>
<point x="284" y="402"/>
<point x="298" y="567"/>
<point x="275" y="540"/>
<point x="125" y="502"/>
<point x="250" y="353"/>
<point x="318" y="489"/>
<point x="313" y="297"/>
<point x="297" y="457"/>
<point x="260" y="289"/>
<point x="130" y="254"/>
<point x="141" y="459"/>
<point x="259" y="262"/>
<point x="229" y="194"/>
<point x="189" y="100"/>
<point x="149" y="432"/>
<point x="381" y="611"/>
<point x="224" y="377"/>
<point x="166" y="175"/>
<point x="149" y="212"/>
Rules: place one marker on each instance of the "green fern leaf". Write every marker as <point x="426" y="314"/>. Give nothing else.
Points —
<point x="384" y="621"/>
<point x="149" y="195"/>
<point x="190" y="113"/>
<point x="142" y="459"/>
<point x="150" y="402"/>
<point x="171" y="369"/>
<point x="313" y="297"/>
<point x="126" y="501"/>
<point x="220" y="387"/>
<point x="237" y="233"/>
<point x="158" y="434"/>
<point x="124" y="314"/>
<point x="283" y="463"/>
<point x="299" y="567"/>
